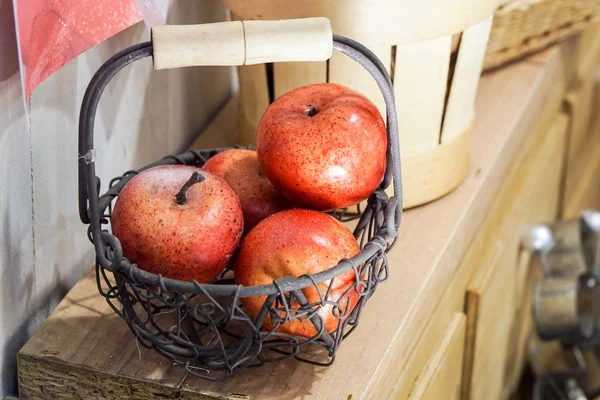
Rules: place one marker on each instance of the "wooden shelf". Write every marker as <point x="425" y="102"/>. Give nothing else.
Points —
<point x="84" y="350"/>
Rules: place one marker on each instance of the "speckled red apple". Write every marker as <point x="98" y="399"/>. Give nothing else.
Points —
<point x="259" y="199"/>
<point x="178" y="221"/>
<point x="297" y="242"/>
<point x="323" y="146"/>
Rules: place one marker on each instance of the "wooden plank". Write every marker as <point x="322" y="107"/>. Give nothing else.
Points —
<point x="17" y="274"/>
<point x="347" y="72"/>
<point x="586" y="195"/>
<point x="521" y="332"/>
<point x="253" y="100"/>
<point x="459" y="110"/>
<point x="581" y="52"/>
<point x="288" y="76"/>
<point x="382" y="21"/>
<point x="522" y="324"/>
<point x="222" y="131"/>
<point x="420" y="80"/>
<point x="489" y="308"/>
<point x="580" y="105"/>
<point x="587" y="53"/>
<point x="585" y="171"/>
<point x="580" y="55"/>
<point x="592" y="376"/>
<point x="442" y="376"/>
<point x="69" y="337"/>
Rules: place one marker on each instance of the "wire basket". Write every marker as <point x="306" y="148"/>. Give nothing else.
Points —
<point x="204" y="327"/>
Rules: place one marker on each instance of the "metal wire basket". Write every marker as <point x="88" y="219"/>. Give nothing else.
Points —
<point x="204" y="327"/>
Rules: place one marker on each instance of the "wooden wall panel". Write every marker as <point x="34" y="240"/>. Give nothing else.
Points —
<point x="143" y="116"/>
<point x="489" y="305"/>
<point x="582" y="176"/>
<point x="442" y="376"/>
<point x="17" y="275"/>
<point x="253" y="85"/>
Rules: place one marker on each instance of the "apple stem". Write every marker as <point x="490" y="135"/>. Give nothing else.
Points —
<point x="181" y="197"/>
<point x="311" y="111"/>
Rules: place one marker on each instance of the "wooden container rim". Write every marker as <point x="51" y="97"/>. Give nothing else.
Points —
<point x="389" y="22"/>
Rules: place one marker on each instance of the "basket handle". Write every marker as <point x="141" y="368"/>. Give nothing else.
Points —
<point x="242" y="42"/>
<point x="91" y="207"/>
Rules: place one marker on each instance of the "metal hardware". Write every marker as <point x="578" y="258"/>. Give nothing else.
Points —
<point x="590" y="221"/>
<point x="574" y="391"/>
<point x="562" y="307"/>
<point x="538" y="238"/>
<point x="566" y="304"/>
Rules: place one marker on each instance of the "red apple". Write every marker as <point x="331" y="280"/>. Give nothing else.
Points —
<point x="297" y="242"/>
<point x="178" y="221"/>
<point x="323" y="145"/>
<point x="259" y="199"/>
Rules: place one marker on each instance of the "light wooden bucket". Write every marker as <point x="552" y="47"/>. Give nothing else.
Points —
<point x="434" y="50"/>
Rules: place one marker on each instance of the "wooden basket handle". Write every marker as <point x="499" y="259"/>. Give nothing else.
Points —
<point x="242" y="42"/>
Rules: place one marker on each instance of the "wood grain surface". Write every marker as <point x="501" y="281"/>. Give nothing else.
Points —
<point x="17" y="269"/>
<point x="421" y="69"/>
<point x="388" y="22"/>
<point x="441" y="378"/>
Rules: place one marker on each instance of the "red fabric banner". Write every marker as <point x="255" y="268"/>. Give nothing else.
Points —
<point x="53" y="32"/>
